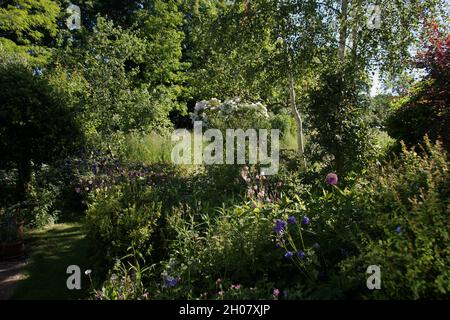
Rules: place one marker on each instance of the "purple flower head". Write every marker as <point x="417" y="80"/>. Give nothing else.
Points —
<point x="288" y="255"/>
<point x="279" y="226"/>
<point x="305" y="220"/>
<point x="276" y="293"/>
<point x="301" y="254"/>
<point x="398" y="229"/>
<point x="331" y="179"/>
<point x="292" y="220"/>
<point x="170" y="282"/>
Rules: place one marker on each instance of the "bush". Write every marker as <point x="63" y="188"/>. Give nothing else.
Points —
<point x="120" y="217"/>
<point x="405" y="228"/>
<point x="337" y="117"/>
<point x="231" y="114"/>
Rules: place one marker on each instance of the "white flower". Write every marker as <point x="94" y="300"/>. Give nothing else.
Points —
<point x="88" y="272"/>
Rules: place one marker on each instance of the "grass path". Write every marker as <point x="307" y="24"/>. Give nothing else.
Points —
<point x="52" y="250"/>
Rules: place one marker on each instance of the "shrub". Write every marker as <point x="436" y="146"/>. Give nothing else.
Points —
<point x="231" y="114"/>
<point x="120" y="217"/>
<point x="336" y="115"/>
<point x="402" y="225"/>
<point x="233" y="243"/>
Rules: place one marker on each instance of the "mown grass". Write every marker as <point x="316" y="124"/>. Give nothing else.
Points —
<point x="52" y="250"/>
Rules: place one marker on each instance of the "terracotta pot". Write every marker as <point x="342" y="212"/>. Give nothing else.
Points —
<point x="12" y="249"/>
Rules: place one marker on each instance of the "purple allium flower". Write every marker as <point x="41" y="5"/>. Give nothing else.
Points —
<point x="331" y="179"/>
<point x="398" y="229"/>
<point x="276" y="293"/>
<point x="301" y="254"/>
<point x="316" y="245"/>
<point x="288" y="255"/>
<point x="171" y="282"/>
<point x="279" y="226"/>
<point x="292" y="220"/>
<point x="305" y="220"/>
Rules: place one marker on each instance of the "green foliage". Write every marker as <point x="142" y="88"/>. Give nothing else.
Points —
<point x="125" y="280"/>
<point x="233" y="243"/>
<point x="121" y="217"/>
<point x="425" y="109"/>
<point x="27" y="27"/>
<point x="336" y="114"/>
<point x="120" y="101"/>
<point x="231" y="114"/>
<point x="36" y="123"/>
<point x="147" y="148"/>
<point x="405" y="226"/>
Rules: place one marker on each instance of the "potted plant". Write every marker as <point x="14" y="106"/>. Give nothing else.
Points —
<point x="11" y="232"/>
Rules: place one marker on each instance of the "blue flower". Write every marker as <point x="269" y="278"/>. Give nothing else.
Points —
<point x="292" y="220"/>
<point x="305" y="220"/>
<point x="288" y="255"/>
<point x="171" y="282"/>
<point x="398" y="229"/>
<point x="301" y="254"/>
<point x="279" y="226"/>
<point x="37" y="72"/>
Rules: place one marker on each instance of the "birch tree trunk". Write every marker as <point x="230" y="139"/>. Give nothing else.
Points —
<point x="298" y="119"/>
<point x="343" y="29"/>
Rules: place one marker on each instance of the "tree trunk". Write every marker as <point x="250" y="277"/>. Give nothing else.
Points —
<point x="355" y="25"/>
<point x="298" y="119"/>
<point x="343" y="30"/>
<point x="23" y="181"/>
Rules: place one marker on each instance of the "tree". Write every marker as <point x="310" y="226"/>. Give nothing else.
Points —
<point x="124" y="81"/>
<point x="240" y="56"/>
<point x="36" y="126"/>
<point x="425" y="110"/>
<point x="28" y="26"/>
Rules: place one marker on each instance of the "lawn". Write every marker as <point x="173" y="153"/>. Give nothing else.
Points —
<point x="53" y="249"/>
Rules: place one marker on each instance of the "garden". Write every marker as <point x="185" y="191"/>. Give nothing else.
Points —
<point x="120" y="122"/>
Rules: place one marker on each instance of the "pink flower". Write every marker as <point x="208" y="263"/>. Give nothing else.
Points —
<point x="331" y="179"/>
<point x="276" y="293"/>
<point x="77" y="190"/>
